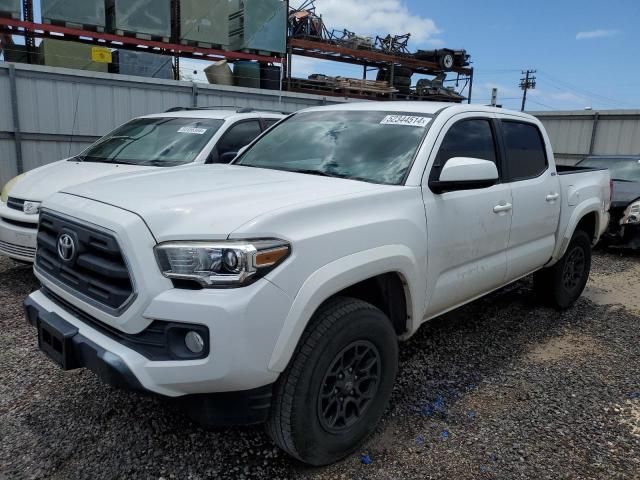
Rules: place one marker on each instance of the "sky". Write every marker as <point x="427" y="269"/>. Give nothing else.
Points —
<point x="585" y="52"/>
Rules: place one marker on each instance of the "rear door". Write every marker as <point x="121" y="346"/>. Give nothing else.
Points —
<point x="468" y="230"/>
<point x="535" y="190"/>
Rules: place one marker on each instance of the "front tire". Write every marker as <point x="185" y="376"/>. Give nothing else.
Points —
<point x="338" y="383"/>
<point x="563" y="283"/>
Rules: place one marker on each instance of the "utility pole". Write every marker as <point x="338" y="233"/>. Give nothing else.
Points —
<point x="526" y="83"/>
<point x="494" y="97"/>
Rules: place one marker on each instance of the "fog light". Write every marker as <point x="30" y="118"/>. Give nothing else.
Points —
<point x="194" y="342"/>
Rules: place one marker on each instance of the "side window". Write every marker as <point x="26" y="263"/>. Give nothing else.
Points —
<point x="526" y="153"/>
<point x="238" y="136"/>
<point x="270" y="122"/>
<point x="467" y="138"/>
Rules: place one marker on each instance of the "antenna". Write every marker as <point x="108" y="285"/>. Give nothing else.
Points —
<point x="75" y="116"/>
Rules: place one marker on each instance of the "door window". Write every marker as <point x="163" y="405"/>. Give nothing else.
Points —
<point x="238" y="136"/>
<point x="468" y="138"/>
<point x="526" y="153"/>
<point x="270" y="122"/>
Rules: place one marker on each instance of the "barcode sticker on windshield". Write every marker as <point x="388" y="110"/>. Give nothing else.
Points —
<point x="408" y="120"/>
<point x="197" y="131"/>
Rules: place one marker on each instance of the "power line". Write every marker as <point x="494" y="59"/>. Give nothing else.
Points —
<point x="543" y="104"/>
<point x="589" y="94"/>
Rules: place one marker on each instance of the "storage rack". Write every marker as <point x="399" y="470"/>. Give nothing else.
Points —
<point x="324" y="50"/>
<point x="29" y="30"/>
<point x="40" y="30"/>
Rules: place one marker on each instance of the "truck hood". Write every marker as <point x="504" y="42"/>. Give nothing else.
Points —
<point x="211" y="201"/>
<point x="41" y="182"/>
<point x="624" y="193"/>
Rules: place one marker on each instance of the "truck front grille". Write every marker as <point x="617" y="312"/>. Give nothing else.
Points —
<point x="92" y="267"/>
<point x="15" y="203"/>
<point x="17" y="250"/>
<point x="16" y="223"/>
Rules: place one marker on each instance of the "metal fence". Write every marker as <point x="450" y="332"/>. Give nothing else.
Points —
<point x="575" y="135"/>
<point x="47" y="114"/>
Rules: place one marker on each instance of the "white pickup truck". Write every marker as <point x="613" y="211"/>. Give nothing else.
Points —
<point x="180" y="136"/>
<point x="276" y="289"/>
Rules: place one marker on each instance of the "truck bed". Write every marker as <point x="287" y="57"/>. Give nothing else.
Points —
<point x="581" y="194"/>
<point x="569" y="169"/>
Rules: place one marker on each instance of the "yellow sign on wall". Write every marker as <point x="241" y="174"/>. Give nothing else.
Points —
<point x="101" y="55"/>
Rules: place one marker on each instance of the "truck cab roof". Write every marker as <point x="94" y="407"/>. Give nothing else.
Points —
<point x="429" y="108"/>
<point x="214" y="113"/>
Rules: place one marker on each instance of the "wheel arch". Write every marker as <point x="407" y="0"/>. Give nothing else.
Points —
<point x="390" y="271"/>
<point x="587" y="217"/>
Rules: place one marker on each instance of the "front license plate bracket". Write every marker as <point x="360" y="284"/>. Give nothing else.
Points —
<point x="55" y="339"/>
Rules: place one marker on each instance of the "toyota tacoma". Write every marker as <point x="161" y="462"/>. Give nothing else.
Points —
<point x="278" y="289"/>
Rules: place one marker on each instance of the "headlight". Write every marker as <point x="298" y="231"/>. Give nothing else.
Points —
<point x="220" y="264"/>
<point x="631" y="214"/>
<point x="4" y="196"/>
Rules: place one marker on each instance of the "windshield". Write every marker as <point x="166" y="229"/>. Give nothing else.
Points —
<point x="376" y="147"/>
<point x="161" y="142"/>
<point x="627" y="169"/>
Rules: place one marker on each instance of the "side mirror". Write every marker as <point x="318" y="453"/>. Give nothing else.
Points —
<point x="227" y="157"/>
<point x="463" y="173"/>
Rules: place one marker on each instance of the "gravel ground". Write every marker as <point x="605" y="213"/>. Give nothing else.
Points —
<point x="502" y="388"/>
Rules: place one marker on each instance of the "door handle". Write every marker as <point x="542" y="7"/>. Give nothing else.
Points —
<point x="552" y="197"/>
<point x="506" y="207"/>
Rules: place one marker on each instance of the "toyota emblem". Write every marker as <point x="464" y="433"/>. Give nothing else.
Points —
<point x="66" y="247"/>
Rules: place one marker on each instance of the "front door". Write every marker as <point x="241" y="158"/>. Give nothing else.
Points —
<point x="468" y="230"/>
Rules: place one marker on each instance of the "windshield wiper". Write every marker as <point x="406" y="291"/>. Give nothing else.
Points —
<point x="121" y="137"/>
<point x="106" y="160"/>
<point x="162" y="163"/>
<point x="311" y="171"/>
<point x="320" y="173"/>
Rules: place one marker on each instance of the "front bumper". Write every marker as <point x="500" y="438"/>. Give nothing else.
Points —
<point x="18" y="232"/>
<point x="78" y="351"/>
<point x="622" y="236"/>
<point x="627" y="236"/>
<point x="243" y="328"/>
<point x="65" y="344"/>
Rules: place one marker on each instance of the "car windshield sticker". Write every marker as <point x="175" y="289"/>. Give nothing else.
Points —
<point x="197" y="131"/>
<point x="407" y="120"/>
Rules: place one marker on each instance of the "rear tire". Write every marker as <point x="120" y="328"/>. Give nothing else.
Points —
<point x="337" y="384"/>
<point x="402" y="81"/>
<point x="447" y="61"/>
<point x="563" y="283"/>
<point x="403" y="72"/>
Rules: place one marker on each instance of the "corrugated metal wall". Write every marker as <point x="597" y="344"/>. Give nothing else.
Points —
<point x="577" y="134"/>
<point x="62" y="111"/>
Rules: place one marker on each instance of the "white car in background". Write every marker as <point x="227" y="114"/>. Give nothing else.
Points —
<point x="181" y="136"/>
